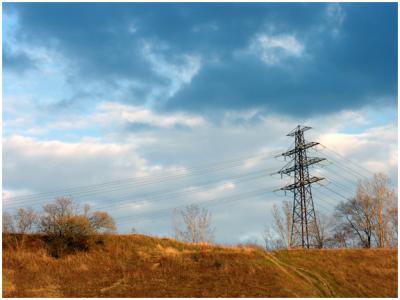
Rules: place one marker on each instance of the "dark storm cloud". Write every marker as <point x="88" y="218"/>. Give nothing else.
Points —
<point x="105" y="42"/>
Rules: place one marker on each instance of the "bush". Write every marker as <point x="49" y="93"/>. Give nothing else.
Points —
<point x="66" y="231"/>
<point x="77" y="235"/>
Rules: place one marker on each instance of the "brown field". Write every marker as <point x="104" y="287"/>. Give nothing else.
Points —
<point x="142" y="266"/>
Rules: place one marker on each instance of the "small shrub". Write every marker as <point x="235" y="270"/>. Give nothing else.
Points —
<point x="66" y="231"/>
<point x="77" y="235"/>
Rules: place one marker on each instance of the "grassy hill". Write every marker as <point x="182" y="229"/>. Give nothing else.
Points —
<point x="142" y="266"/>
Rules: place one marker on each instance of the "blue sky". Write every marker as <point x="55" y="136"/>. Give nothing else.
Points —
<point x="97" y="92"/>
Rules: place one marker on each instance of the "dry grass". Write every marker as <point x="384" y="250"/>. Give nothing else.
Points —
<point x="142" y="266"/>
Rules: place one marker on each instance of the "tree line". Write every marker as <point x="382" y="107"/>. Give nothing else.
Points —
<point x="369" y="219"/>
<point x="63" y="225"/>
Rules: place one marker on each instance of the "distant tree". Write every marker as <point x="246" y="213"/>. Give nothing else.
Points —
<point x="325" y="225"/>
<point x="25" y="220"/>
<point x="356" y="215"/>
<point x="272" y="241"/>
<point x="102" y="222"/>
<point x="392" y="232"/>
<point x="86" y="209"/>
<point x="341" y="237"/>
<point x="67" y="230"/>
<point x="371" y="216"/>
<point x="267" y="237"/>
<point x="56" y="215"/>
<point x="385" y="201"/>
<point x="277" y="235"/>
<point x="193" y="224"/>
<point x="8" y="223"/>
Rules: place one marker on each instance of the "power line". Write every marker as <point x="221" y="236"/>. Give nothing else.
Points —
<point x="333" y="191"/>
<point x="147" y="194"/>
<point x="339" y="176"/>
<point x="340" y="186"/>
<point x="160" y="196"/>
<point x="354" y="172"/>
<point x="329" y="197"/>
<point x="135" y="182"/>
<point x="320" y="206"/>
<point x="238" y="197"/>
<point x="347" y="159"/>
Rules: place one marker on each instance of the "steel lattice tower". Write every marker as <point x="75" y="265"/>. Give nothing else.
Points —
<point x="305" y="231"/>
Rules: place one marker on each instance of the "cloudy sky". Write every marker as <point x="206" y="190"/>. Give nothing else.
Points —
<point x="140" y="108"/>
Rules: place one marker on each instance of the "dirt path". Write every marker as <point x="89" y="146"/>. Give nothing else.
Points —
<point x="311" y="278"/>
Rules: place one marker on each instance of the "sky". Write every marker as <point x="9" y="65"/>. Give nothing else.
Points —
<point x="191" y="103"/>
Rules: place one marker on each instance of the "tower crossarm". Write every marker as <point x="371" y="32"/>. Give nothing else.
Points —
<point x="294" y="168"/>
<point x="298" y="129"/>
<point x="298" y="184"/>
<point x="299" y="148"/>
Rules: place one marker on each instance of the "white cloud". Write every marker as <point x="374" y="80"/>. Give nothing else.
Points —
<point x="49" y="165"/>
<point x="212" y="193"/>
<point x="273" y="49"/>
<point x="37" y="166"/>
<point x="108" y="113"/>
<point x="132" y="28"/>
<point x="335" y="17"/>
<point x="205" y="27"/>
<point x="179" y="74"/>
<point x="374" y="149"/>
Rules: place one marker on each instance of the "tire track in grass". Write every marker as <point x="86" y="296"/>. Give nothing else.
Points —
<point x="293" y="273"/>
<point x="312" y="278"/>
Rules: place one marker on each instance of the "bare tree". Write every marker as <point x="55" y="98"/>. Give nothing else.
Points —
<point x="268" y="239"/>
<point x="25" y="220"/>
<point x="55" y="217"/>
<point x="272" y="240"/>
<point x="86" y="209"/>
<point x="323" y="234"/>
<point x="102" y="222"/>
<point x="283" y="222"/>
<point x="373" y="213"/>
<point x="392" y="232"/>
<point x="193" y="224"/>
<point x="68" y="230"/>
<point x="357" y="216"/>
<point x="378" y="188"/>
<point x="8" y="223"/>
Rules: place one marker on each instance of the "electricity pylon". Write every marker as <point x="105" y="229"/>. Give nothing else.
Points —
<point x="305" y="232"/>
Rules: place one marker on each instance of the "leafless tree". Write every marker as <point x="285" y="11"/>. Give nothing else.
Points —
<point x="8" y="223"/>
<point x="385" y="200"/>
<point x="372" y="215"/>
<point x="268" y="238"/>
<point x="102" y="222"/>
<point x="193" y="224"/>
<point x="272" y="240"/>
<point x="58" y="215"/>
<point x="357" y="215"/>
<point x="325" y="223"/>
<point x="283" y="222"/>
<point x="25" y="220"/>
<point x="392" y="232"/>
<point x="86" y="209"/>
<point x="55" y="217"/>
<point x="68" y="230"/>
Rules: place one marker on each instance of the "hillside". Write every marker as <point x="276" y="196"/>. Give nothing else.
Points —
<point x="142" y="266"/>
